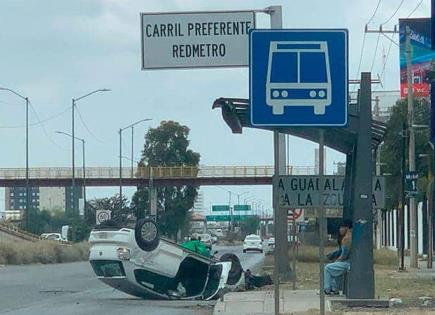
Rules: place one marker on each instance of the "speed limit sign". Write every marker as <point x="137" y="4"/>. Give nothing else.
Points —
<point x="102" y="215"/>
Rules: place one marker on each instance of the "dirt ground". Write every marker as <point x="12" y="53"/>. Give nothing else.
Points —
<point x="409" y="287"/>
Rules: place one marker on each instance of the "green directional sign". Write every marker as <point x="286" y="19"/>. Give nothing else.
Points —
<point x="242" y="207"/>
<point x="226" y="218"/>
<point x="220" y="208"/>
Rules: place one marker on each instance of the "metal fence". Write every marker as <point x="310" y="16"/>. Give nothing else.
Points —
<point x="152" y="172"/>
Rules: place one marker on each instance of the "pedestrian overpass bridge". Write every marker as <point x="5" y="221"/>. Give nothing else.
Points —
<point x="159" y="176"/>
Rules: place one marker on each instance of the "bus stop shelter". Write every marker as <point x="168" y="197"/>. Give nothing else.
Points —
<point x="359" y="141"/>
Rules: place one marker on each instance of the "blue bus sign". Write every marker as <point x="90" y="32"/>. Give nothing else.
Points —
<point x="298" y="77"/>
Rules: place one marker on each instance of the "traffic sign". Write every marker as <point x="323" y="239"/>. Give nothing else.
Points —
<point x="102" y="215"/>
<point x="225" y="208"/>
<point x="242" y="207"/>
<point x="196" y="39"/>
<point x="226" y="218"/>
<point x="411" y="188"/>
<point x="303" y="191"/>
<point x="295" y="214"/>
<point x="298" y="77"/>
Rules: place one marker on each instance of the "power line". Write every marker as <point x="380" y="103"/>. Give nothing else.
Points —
<point x="86" y="126"/>
<point x="374" y="13"/>
<point x="37" y="123"/>
<point x="386" y="58"/>
<point x="43" y="127"/>
<point x="376" y="51"/>
<point x="395" y="12"/>
<point x="415" y="9"/>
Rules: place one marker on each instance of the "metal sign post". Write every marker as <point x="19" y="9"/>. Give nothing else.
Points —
<point x="321" y="224"/>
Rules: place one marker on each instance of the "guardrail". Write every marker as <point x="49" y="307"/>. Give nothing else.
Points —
<point x="152" y="172"/>
<point x="17" y="232"/>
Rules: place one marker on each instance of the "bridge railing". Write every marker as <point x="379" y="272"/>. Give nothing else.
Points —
<point x="154" y="172"/>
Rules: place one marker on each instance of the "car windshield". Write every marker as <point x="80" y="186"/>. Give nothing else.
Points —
<point x="253" y="238"/>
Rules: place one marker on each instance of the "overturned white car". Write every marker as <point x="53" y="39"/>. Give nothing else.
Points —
<point x="141" y="263"/>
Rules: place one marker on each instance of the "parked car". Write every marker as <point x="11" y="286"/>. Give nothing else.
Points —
<point x="142" y="263"/>
<point x="52" y="236"/>
<point x="253" y="242"/>
<point x="207" y="240"/>
<point x="271" y="242"/>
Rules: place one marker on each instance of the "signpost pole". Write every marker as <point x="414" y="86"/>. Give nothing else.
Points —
<point x="294" y="249"/>
<point x="322" y="222"/>
<point x="275" y="220"/>
<point x="281" y="245"/>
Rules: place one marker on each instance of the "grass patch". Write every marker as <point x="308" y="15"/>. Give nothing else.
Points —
<point x="19" y="253"/>
<point x="388" y="282"/>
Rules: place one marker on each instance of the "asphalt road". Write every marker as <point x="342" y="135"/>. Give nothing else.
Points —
<point x="73" y="289"/>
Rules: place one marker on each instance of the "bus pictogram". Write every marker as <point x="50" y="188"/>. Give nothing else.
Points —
<point x="298" y="74"/>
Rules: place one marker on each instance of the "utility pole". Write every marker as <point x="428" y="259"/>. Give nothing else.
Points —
<point x="411" y="152"/>
<point x="403" y="201"/>
<point x="73" y="166"/>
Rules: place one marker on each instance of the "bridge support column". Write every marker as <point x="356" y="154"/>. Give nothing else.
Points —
<point x="362" y="275"/>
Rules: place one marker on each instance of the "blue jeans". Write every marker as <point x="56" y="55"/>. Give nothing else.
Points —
<point x="334" y="271"/>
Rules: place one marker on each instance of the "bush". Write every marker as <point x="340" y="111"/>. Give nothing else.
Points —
<point x="43" y="252"/>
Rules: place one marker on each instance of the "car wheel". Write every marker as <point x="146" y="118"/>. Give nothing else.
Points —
<point x="236" y="268"/>
<point x="244" y="250"/>
<point x="261" y="251"/>
<point x="146" y="234"/>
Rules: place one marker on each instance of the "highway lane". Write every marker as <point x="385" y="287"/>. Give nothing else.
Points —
<point x="73" y="289"/>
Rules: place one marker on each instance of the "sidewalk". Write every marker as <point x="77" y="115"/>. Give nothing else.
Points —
<point x="262" y="302"/>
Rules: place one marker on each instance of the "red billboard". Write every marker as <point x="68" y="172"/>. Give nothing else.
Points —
<point x="421" y="56"/>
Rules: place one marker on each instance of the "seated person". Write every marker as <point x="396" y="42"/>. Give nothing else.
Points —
<point x="196" y="245"/>
<point x="334" y="271"/>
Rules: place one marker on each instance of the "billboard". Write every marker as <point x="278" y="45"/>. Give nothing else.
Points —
<point x="421" y="56"/>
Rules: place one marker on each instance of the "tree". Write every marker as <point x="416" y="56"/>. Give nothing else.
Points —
<point x="392" y="149"/>
<point x="168" y="145"/>
<point x="120" y="214"/>
<point x="250" y="225"/>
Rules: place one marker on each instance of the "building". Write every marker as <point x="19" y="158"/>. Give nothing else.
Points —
<point x="52" y="198"/>
<point x="43" y="198"/>
<point x="198" y="204"/>
<point x="15" y="198"/>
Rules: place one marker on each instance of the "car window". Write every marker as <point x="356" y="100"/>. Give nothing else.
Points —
<point x="253" y="238"/>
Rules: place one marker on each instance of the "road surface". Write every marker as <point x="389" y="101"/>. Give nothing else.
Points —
<point x="73" y="289"/>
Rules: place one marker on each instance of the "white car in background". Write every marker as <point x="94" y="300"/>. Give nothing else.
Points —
<point x="253" y="242"/>
<point x="271" y="242"/>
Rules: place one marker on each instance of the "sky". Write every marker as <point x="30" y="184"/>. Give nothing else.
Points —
<point x="54" y="50"/>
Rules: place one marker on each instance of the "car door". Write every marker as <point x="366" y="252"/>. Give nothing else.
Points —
<point x="217" y="279"/>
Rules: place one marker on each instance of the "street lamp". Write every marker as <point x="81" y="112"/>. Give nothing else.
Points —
<point x="73" y="180"/>
<point x="84" y="165"/>
<point x="26" y="99"/>
<point x="120" y="154"/>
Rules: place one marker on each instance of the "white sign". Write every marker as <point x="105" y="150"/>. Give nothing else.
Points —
<point x="196" y="39"/>
<point x="102" y="215"/>
<point x="304" y="192"/>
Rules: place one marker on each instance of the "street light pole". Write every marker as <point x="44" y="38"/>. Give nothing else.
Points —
<point x="120" y="168"/>
<point x="27" y="151"/>
<point x="84" y="164"/>
<point x="120" y="154"/>
<point x="73" y="180"/>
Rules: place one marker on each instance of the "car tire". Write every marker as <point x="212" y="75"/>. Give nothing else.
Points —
<point x="244" y="250"/>
<point x="236" y="270"/>
<point x="146" y="234"/>
<point x="261" y="251"/>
